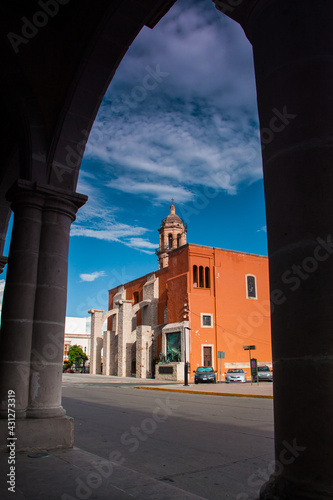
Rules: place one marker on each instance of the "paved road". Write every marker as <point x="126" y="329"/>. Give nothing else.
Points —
<point x="216" y="447"/>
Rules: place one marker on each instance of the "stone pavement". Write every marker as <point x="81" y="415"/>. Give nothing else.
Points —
<point x="75" y="474"/>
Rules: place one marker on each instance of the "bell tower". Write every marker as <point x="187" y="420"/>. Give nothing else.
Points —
<point x="172" y="235"/>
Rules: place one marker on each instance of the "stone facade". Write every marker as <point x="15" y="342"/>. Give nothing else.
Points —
<point x="128" y="348"/>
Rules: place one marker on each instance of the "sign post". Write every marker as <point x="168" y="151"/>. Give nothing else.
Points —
<point x="220" y="355"/>
<point x="185" y="358"/>
<point x="250" y="348"/>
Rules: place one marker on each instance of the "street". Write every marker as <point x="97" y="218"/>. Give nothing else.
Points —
<point x="215" y="447"/>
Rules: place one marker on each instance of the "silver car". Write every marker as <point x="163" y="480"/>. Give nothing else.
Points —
<point x="264" y="373"/>
<point x="235" y="375"/>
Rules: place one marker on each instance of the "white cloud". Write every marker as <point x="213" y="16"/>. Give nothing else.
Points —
<point x="92" y="276"/>
<point x="160" y="192"/>
<point x="198" y="126"/>
<point x="141" y="244"/>
<point x="113" y="232"/>
<point x="195" y="125"/>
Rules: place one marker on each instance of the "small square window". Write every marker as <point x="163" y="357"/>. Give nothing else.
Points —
<point x="206" y="320"/>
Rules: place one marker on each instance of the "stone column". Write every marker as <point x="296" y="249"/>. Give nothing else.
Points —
<point x="107" y="352"/>
<point x="33" y="315"/>
<point x="50" y="303"/>
<point x="293" y="43"/>
<point x="124" y="335"/>
<point x="96" y="340"/>
<point x="19" y="298"/>
<point x="143" y="351"/>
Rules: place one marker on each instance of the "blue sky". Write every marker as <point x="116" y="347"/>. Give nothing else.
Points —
<point x="179" y="120"/>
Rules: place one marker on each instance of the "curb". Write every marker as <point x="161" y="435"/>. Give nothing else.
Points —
<point x="231" y="394"/>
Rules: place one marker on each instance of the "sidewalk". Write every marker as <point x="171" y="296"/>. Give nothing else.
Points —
<point x="75" y="474"/>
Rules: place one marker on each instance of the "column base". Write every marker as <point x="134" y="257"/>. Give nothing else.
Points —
<point x="39" y="413"/>
<point x="279" y="488"/>
<point x="39" y="434"/>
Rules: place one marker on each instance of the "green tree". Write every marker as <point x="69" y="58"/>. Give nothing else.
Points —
<point x="74" y="352"/>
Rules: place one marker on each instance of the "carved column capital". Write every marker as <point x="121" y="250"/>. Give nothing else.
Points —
<point x="45" y="197"/>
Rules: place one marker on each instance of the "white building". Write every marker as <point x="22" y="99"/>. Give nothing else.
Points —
<point x="77" y="332"/>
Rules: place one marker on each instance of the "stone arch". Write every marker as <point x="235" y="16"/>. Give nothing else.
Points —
<point x="292" y="52"/>
<point x="140" y="305"/>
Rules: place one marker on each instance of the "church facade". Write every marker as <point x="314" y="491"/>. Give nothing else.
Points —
<point x="202" y="306"/>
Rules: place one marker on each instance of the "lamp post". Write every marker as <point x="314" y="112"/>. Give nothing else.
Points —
<point x="185" y="362"/>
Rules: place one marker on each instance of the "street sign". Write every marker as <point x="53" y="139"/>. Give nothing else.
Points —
<point x="249" y="347"/>
<point x="221" y="354"/>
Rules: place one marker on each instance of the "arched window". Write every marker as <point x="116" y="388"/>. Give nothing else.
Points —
<point x="251" y="288"/>
<point x="207" y="277"/>
<point x="178" y="240"/>
<point x="195" y="275"/>
<point x="201" y="277"/>
<point x="170" y="241"/>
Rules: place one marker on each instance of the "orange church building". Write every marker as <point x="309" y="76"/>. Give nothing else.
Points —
<point x="202" y="301"/>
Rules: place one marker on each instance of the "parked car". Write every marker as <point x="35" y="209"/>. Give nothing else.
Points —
<point x="264" y="374"/>
<point x="205" y="374"/>
<point x="235" y="375"/>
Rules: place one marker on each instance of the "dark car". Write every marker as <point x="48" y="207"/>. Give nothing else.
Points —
<point x="205" y="374"/>
<point x="264" y="374"/>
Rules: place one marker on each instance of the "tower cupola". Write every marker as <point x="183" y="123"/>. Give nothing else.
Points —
<point x="172" y="235"/>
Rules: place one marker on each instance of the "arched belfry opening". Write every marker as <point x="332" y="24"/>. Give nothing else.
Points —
<point x="172" y="235"/>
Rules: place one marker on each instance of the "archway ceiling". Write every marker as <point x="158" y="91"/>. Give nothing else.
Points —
<point x="60" y="58"/>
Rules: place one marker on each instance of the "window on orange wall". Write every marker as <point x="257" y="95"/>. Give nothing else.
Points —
<point x="201" y="277"/>
<point x="251" y="287"/>
<point x="206" y="320"/>
<point x="135" y="297"/>
<point x="195" y="275"/>
<point x="207" y="277"/>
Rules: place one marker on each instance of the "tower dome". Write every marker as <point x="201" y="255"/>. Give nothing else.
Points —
<point x="172" y="235"/>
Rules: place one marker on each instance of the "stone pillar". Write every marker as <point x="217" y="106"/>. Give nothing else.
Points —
<point x="59" y="212"/>
<point x="96" y="340"/>
<point x="110" y="353"/>
<point x="33" y="315"/>
<point x="19" y="299"/>
<point x="144" y="351"/>
<point x="292" y="44"/>
<point x="124" y="335"/>
<point x="151" y="293"/>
